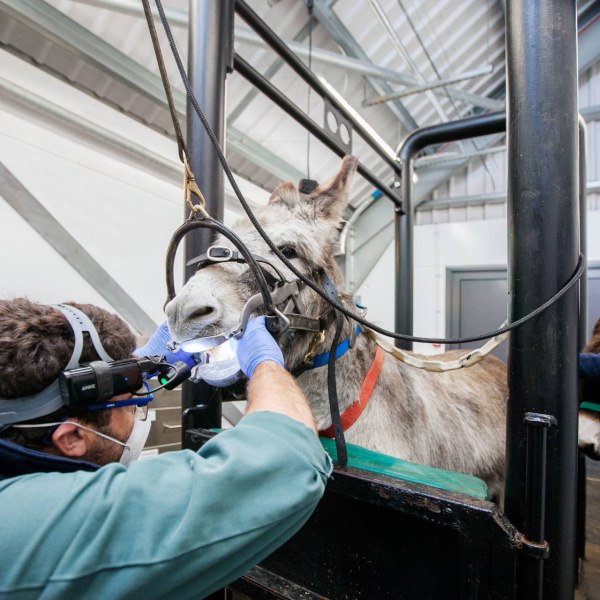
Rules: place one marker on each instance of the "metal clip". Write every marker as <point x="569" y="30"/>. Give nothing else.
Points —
<point x="191" y="187"/>
<point x="317" y="340"/>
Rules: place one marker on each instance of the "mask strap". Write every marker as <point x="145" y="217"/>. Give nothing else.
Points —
<point x="38" y="426"/>
<point x="80" y="322"/>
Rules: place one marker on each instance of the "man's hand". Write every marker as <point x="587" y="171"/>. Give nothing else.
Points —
<point x="257" y="346"/>
<point x="157" y="345"/>
<point x="271" y="387"/>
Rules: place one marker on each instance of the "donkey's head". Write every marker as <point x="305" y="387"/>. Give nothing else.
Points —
<point x="305" y="228"/>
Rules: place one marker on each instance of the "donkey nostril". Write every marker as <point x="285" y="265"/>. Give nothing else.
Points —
<point x="199" y="313"/>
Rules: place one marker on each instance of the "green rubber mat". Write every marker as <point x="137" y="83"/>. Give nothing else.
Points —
<point x="368" y="460"/>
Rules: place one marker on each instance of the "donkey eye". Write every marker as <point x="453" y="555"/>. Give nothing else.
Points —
<point x="288" y="251"/>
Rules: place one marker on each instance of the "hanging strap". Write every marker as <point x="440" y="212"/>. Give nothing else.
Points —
<point x="181" y="147"/>
<point x="190" y="185"/>
<point x="338" y="430"/>
<point x="354" y="411"/>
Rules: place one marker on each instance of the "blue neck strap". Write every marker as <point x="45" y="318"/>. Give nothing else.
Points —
<point x="321" y="360"/>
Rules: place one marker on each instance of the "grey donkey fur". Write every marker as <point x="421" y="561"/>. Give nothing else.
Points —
<point x="453" y="420"/>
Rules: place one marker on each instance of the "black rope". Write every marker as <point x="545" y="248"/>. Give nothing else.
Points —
<point x="303" y="278"/>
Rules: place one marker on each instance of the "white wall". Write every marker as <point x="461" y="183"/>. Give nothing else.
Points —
<point x="123" y="215"/>
<point x="472" y="243"/>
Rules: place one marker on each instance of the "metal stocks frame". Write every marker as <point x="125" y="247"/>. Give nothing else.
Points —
<point x="544" y="245"/>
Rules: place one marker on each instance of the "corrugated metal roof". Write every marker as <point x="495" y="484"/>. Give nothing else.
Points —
<point x="459" y="37"/>
<point x="443" y="37"/>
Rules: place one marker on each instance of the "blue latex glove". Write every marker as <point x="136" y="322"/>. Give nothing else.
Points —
<point x="256" y="346"/>
<point x="157" y="345"/>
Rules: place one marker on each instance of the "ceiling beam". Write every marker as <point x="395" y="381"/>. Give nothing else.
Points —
<point x="37" y="108"/>
<point x="49" y="228"/>
<point x="337" y="30"/>
<point x="588" y="47"/>
<point x="332" y="59"/>
<point x="47" y="38"/>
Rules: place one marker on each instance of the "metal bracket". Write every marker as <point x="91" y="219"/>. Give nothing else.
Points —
<point x="533" y="549"/>
<point x="342" y="131"/>
<point x="539" y="420"/>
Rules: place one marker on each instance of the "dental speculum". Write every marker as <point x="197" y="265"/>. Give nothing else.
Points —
<point x="216" y="361"/>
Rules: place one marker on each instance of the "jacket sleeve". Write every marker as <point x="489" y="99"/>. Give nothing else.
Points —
<point x="180" y="525"/>
<point x="589" y="366"/>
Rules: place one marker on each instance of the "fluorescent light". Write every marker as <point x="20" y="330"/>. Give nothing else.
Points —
<point x="380" y="141"/>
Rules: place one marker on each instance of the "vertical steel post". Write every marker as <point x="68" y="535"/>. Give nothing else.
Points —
<point x="404" y="257"/>
<point x="583" y="333"/>
<point x="541" y="40"/>
<point x="583" y="282"/>
<point x="210" y="57"/>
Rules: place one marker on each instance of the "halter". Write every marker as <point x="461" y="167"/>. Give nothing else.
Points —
<point x="279" y="298"/>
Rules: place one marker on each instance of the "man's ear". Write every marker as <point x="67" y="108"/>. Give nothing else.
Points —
<point x="285" y="194"/>
<point x="70" y="440"/>
<point x="330" y="199"/>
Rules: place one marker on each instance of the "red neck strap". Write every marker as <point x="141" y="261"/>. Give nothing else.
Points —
<point x="355" y="410"/>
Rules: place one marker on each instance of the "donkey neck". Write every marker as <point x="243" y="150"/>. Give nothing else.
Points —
<point x="351" y="369"/>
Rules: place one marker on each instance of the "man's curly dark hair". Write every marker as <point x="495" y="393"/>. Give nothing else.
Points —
<point x="36" y="343"/>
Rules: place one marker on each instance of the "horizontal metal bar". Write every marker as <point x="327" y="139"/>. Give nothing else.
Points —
<point x="430" y="86"/>
<point x="462" y="201"/>
<point x="450" y="132"/>
<point x="445" y="157"/>
<point x="590" y="113"/>
<point x="477" y="199"/>
<point x="135" y="8"/>
<point x="267" y="88"/>
<point x="277" y="44"/>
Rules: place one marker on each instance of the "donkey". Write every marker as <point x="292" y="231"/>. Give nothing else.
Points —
<point x="452" y="420"/>
<point x="589" y="421"/>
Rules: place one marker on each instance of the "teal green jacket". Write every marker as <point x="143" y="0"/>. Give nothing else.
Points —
<point x="180" y="525"/>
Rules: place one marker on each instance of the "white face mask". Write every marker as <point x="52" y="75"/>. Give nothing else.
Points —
<point x="136" y="441"/>
<point x="132" y="448"/>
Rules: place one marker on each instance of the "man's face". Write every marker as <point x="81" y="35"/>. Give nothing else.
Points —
<point x="120" y="426"/>
<point x="80" y="444"/>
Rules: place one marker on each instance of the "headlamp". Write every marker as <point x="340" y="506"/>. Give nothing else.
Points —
<point x="93" y="384"/>
<point x="99" y="381"/>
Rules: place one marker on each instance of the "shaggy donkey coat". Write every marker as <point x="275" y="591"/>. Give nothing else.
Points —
<point x="453" y="420"/>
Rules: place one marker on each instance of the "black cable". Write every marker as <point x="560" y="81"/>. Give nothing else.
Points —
<point x="298" y="274"/>
<point x="150" y="390"/>
<point x="309" y="6"/>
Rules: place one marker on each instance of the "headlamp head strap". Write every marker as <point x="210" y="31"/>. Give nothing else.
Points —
<point x="49" y="399"/>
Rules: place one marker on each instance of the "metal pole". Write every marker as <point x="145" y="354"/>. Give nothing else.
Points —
<point x="583" y="333"/>
<point x="583" y="282"/>
<point x="543" y="215"/>
<point x="407" y="150"/>
<point x="210" y="57"/>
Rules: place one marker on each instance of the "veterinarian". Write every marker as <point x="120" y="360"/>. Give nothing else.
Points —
<point x="77" y="524"/>
<point x="589" y="366"/>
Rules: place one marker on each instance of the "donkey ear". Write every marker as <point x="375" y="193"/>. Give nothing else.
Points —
<point x="285" y="194"/>
<point x="330" y="199"/>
